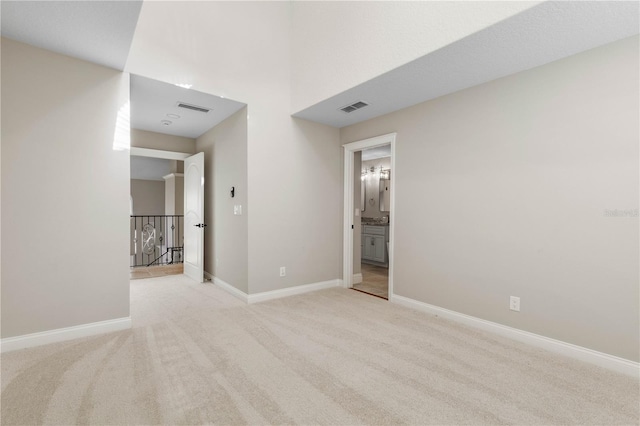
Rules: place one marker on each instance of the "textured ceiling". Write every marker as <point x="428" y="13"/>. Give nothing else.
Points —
<point x="542" y="34"/>
<point x="152" y="100"/>
<point x="95" y="31"/>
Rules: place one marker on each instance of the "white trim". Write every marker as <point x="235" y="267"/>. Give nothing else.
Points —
<point x="227" y="287"/>
<point x="357" y="278"/>
<point x="347" y="232"/>
<point x="601" y="359"/>
<point x="157" y="153"/>
<point x="291" y="291"/>
<point x="274" y="294"/>
<point x="347" y="220"/>
<point x="63" y="334"/>
<point x="173" y="175"/>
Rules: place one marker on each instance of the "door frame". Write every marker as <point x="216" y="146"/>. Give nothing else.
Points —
<point x="157" y="153"/>
<point x="348" y="214"/>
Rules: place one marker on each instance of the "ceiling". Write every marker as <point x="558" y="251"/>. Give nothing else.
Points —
<point x="152" y="100"/>
<point x="536" y="36"/>
<point x="377" y="152"/>
<point x="147" y="168"/>
<point x="102" y="31"/>
<point x="95" y="31"/>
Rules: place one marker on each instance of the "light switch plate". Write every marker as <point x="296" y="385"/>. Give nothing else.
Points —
<point x="237" y="209"/>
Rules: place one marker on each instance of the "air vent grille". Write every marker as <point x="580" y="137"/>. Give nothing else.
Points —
<point x="193" y="107"/>
<point x="354" y="106"/>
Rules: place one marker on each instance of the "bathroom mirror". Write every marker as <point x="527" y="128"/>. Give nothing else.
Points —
<point x="385" y="187"/>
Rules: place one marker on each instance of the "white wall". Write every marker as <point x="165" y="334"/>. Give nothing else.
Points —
<point x="226" y="236"/>
<point x="357" y="228"/>
<point x="502" y="189"/>
<point x="65" y="192"/>
<point x="148" y="197"/>
<point x="294" y="167"/>
<point x="160" y="141"/>
<point x="338" y="45"/>
<point x="174" y="193"/>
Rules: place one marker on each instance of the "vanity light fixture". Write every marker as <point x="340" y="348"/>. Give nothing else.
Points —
<point x="384" y="174"/>
<point x="363" y="175"/>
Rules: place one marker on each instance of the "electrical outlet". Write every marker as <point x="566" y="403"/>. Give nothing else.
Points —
<point x="514" y="303"/>
<point x="283" y="271"/>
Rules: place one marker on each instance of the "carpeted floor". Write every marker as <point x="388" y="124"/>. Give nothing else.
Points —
<point x="196" y="355"/>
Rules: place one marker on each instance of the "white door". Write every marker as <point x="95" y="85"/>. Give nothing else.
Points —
<point x="194" y="217"/>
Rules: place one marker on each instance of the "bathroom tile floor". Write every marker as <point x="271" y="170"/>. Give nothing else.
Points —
<point x="375" y="281"/>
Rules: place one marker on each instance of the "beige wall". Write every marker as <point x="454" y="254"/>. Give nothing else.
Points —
<point x="162" y="142"/>
<point x="148" y="197"/>
<point x="65" y="192"/>
<point x="294" y="167"/>
<point x="226" y="236"/>
<point x="502" y="190"/>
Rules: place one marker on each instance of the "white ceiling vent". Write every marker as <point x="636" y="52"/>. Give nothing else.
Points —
<point x="354" y="106"/>
<point x="193" y="107"/>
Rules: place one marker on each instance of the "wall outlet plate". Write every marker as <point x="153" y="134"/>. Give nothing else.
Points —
<point x="283" y="271"/>
<point x="514" y="303"/>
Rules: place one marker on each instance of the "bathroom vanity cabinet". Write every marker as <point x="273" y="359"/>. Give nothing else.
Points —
<point x="374" y="243"/>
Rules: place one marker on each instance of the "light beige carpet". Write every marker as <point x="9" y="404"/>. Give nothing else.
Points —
<point x="196" y="355"/>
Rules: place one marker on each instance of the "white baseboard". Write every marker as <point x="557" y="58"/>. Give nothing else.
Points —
<point x="63" y="334"/>
<point x="601" y="359"/>
<point x="227" y="287"/>
<point x="274" y="294"/>
<point x="291" y="291"/>
<point x="357" y="278"/>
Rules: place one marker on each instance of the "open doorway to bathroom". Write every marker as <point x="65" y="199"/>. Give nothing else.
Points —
<point x="372" y="178"/>
<point x="371" y="238"/>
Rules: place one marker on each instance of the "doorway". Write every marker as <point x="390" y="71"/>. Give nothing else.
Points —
<point x="165" y="122"/>
<point x="368" y="236"/>
<point x="372" y="175"/>
<point x="156" y="216"/>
